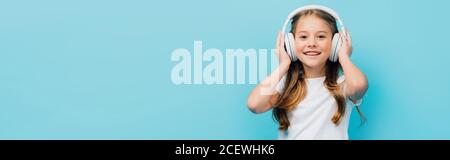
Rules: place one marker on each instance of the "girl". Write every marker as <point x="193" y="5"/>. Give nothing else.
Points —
<point x="312" y="101"/>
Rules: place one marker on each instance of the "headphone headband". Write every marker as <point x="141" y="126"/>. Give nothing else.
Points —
<point x="308" y="7"/>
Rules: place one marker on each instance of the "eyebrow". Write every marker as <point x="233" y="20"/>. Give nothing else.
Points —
<point x="308" y="32"/>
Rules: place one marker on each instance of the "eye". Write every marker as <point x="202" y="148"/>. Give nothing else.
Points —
<point x="302" y="37"/>
<point x="322" y="36"/>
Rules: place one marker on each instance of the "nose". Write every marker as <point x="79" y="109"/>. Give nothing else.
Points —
<point x="311" y="43"/>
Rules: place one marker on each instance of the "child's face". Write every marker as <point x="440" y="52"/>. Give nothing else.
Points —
<point x="313" y="41"/>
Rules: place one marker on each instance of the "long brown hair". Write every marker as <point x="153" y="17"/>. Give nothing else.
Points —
<point x="295" y="85"/>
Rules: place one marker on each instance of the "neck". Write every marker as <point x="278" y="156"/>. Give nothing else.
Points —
<point x="314" y="72"/>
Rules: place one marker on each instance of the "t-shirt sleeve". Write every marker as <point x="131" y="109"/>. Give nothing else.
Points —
<point x="340" y="81"/>
<point x="280" y="85"/>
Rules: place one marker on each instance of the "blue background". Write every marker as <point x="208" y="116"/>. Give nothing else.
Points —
<point x="101" y="69"/>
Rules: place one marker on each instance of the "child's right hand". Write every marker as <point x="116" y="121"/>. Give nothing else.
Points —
<point x="283" y="57"/>
<point x="264" y="96"/>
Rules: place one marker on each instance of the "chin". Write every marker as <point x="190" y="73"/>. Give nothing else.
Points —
<point x="313" y="65"/>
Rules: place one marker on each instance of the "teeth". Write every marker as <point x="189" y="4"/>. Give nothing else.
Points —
<point x="312" y="53"/>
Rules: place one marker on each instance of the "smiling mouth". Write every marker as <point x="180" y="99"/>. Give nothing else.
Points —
<point x="312" y="53"/>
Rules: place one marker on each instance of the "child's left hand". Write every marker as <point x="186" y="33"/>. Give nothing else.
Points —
<point x="346" y="46"/>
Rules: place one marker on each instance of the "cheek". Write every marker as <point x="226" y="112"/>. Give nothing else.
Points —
<point x="299" y="47"/>
<point x="325" y="47"/>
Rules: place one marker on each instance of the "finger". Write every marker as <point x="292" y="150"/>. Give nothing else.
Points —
<point x="278" y="39"/>
<point x="346" y="37"/>
<point x="349" y="42"/>
<point x="349" y="38"/>
<point x="282" y="41"/>
<point x="343" y="39"/>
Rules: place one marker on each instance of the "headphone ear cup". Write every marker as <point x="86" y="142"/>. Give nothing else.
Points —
<point x="287" y="46"/>
<point x="335" y="46"/>
<point x="291" y="41"/>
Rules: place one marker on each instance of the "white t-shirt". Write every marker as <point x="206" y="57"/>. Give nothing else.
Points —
<point x="311" y="119"/>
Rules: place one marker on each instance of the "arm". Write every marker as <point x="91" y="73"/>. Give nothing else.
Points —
<point x="264" y="95"/>
<point x="355" y="81"/>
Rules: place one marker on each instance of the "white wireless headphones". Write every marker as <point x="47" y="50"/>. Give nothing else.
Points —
<point x="289" y="37"/>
